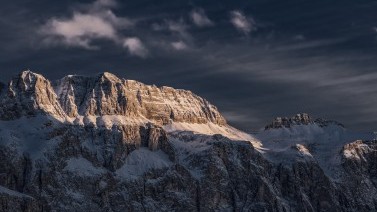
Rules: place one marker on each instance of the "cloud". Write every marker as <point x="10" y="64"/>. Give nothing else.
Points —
<point x="80" y="30"/>
<point x="180" y="38"/>
<point x="178" y="27"/>
<point x="200" y="19"/>
<point x="241" y="22"/>
<point x="179" y="45"/>
<point x="95" y="21"/>
<point x="135" y="47"/>
<point x="334" y="85"/>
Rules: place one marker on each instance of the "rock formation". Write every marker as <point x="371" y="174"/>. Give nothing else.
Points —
<point x="106" y="94"/>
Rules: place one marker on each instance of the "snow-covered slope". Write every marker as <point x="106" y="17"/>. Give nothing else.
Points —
<point x="212" y="129"/>
<point x="320" y="140"/>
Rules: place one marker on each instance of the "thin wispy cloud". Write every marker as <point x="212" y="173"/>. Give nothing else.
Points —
<point x="241" y="22"/>
<point x="178" y="30"/>
<point x="331" y="81"/>
<point x="200" y="19"/>
<point x="179" y="27"/>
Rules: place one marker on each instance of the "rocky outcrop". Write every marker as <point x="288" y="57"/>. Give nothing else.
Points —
<point x="27" y="95"/>
<point x="359" y="158"/>
<point x="298" y="119"/>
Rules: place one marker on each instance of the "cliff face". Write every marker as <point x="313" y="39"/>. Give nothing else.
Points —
<point x="106" y="94"/>
<point x="26" y="94"/>
<point x="74" y="97"/>
<point x="100" y="144"/>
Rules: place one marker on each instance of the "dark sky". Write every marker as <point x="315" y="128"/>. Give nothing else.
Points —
<point x="253" y="59"/>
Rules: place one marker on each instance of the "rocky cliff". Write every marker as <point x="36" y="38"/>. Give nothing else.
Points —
<point x="106" y="94"/>
<point x="108" y="144"/>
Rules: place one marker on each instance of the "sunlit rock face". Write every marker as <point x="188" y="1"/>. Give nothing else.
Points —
<point x="106" y="94"/>
<point x="28" y="93"/>
<point x="108" y="144"/>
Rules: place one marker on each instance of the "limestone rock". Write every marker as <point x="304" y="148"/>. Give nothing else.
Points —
<point x="106" y="94"/>
<point x="29" y="94"/>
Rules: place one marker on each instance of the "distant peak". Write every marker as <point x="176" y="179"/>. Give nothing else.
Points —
<point x="27" y="73"/>
<point x="25" y="80"/>
<point x="109" y="76"/>
<point x="28" y="77"/>
<point x="300" y="119"/>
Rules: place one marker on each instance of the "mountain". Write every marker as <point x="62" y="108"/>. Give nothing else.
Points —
<point x="300" y="119"/>
<point x="108" y="144"/>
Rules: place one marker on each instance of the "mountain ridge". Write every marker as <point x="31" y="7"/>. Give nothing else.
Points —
<point x="126" y="96"/>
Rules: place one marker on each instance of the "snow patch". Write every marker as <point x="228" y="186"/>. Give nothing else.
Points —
<point x="29" y="135"/>
<point x="140" y="161"/>
<point x="83" y="167"/>
<point x="211" y="129"/>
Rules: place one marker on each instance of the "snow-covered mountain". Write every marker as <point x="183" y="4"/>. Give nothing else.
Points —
<point x="319" y="140"/>
<point x="108" y="144"/>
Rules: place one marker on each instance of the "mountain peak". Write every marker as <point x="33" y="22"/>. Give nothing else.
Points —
<point x="109" y="76"/>
<point x="300" y="119"/>
<point x="28" y="94"/>
<point x="28" y="72"/>
<point x="26" y="80"/>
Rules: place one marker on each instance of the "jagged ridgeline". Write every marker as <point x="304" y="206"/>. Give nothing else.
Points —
<point x="105" y="94"/>
<point x="103" y="143"/>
